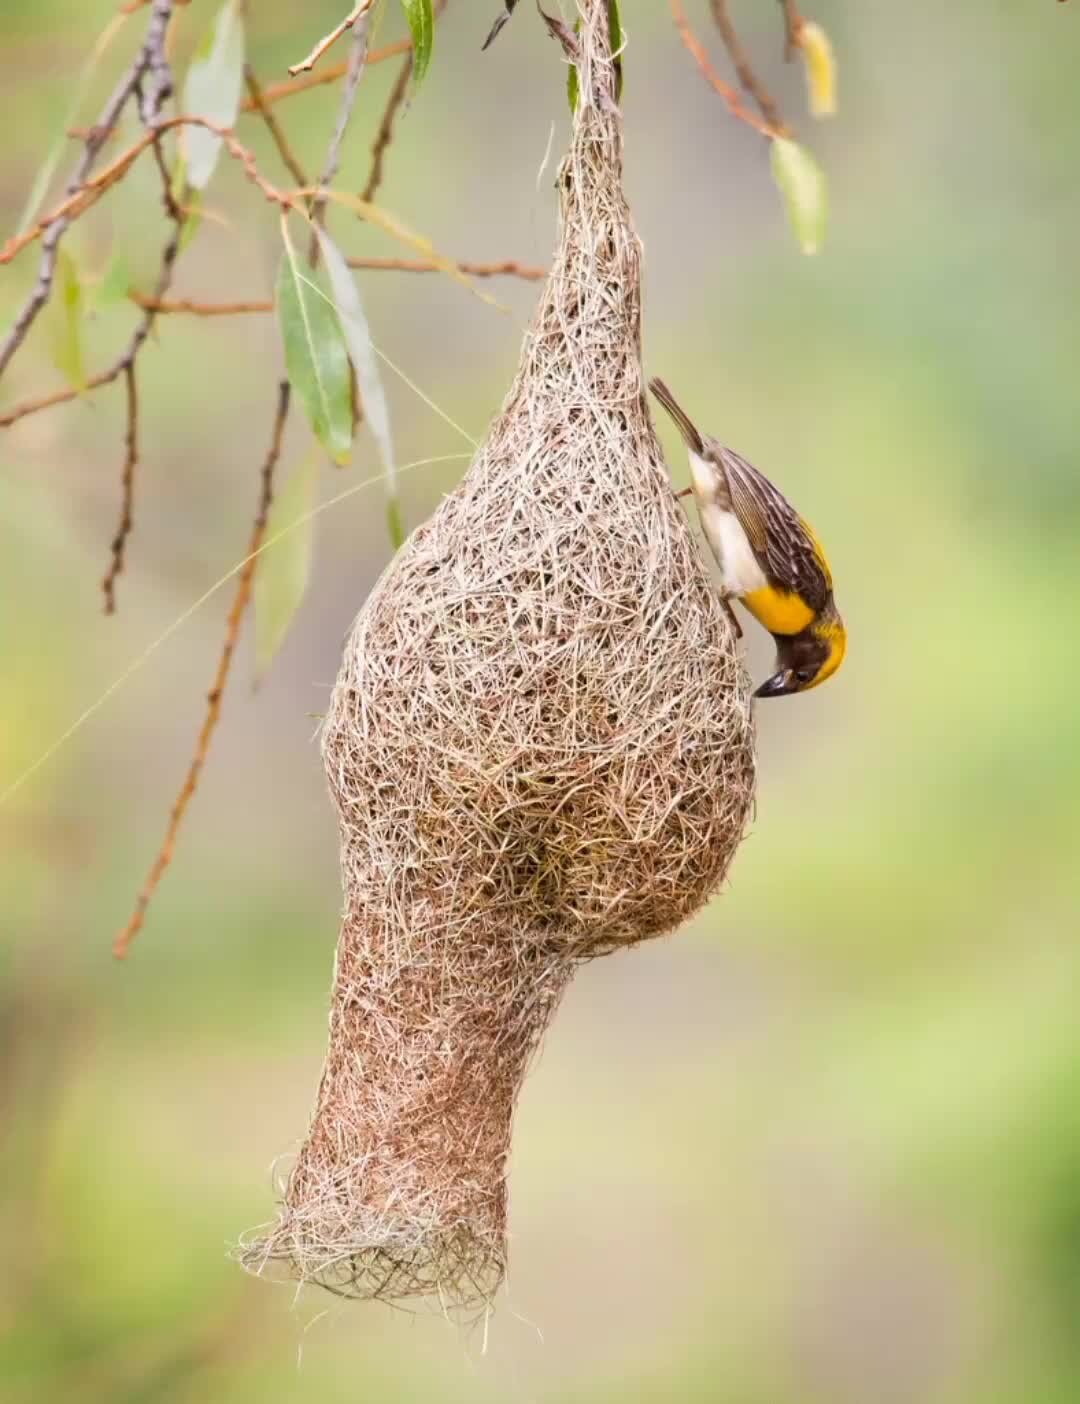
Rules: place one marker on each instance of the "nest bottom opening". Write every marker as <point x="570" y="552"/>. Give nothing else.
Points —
<point x="399" y="1190"/>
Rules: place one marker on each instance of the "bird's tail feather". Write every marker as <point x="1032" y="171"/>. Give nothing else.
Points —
<point x="686" y="425"/>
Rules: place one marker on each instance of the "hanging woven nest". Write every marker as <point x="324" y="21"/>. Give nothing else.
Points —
<point x="541" y="749"/>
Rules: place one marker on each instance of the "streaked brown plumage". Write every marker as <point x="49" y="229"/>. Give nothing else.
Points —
<point x="770" y="558"/>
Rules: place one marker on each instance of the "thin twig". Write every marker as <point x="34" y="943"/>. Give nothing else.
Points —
<point x="508" y="269"/>
<point x="328" y="40"/>
<point x="744" y="69"/>
<point x="91" y="191"/>
<point x="127" y="490"/>
<point x="39" y="294"/>
<point x="793" y="23"/>
<point x="241" y="599"/>
<point x="273" y="126"/>
<point x="277" y="92"/>
<point x="730" y="95"/>
<point x="59" y="397"/>
<point x="167" y="306"/>
<point x="330" y="167"/>
<point x="385" y="135"/>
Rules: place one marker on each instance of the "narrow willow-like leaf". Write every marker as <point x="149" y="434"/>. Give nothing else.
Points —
<point x="394" y="527"/>
<point x="820" y="61"/>
<point x="801" y="182"/>
<point x="115" y="282"/>
<point x="284" y="568"/>
<point x="354" y="324"/>
<point x="572" y="89"/>
<point x="66" y="310"/>
<point x="615" y="30"/>
<point x="212" y="90"/>
<point x="188" y="200"/>
<point x="315" y="353"/>
<point x="501" y="20"/>
<point x="421" y="20"/>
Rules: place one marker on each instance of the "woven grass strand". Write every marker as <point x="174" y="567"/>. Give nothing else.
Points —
<point x="541" y="750"/>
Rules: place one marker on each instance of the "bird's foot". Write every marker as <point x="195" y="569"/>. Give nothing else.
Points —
<point x="734" y="621"/>
<point x="685" y="493"/>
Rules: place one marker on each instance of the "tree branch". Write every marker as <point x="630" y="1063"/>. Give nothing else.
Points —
<point x="277" y="92"/>
<point x="359" y="12"/>
<point x="147" y="60"/>
<point x="273" y="126"/>
<point x="385" y="135"/>
<point x="127" y="491"/>
<point x="241" y="599"/>
<point x="730" y="95"/>
<point x="79" y="201"/>
<point x="744" y="69"/>
<point x="793" y="23"/>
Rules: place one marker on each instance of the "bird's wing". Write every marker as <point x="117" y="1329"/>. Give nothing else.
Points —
<point x="785" y="546"/>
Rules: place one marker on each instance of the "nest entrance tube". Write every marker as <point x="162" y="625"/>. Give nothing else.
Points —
<point x="541" y="750"/>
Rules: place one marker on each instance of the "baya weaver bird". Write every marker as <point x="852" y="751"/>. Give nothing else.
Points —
<point x="769" y="558"/>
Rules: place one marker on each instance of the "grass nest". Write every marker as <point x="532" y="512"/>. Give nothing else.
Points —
<point x="541" y="749"/>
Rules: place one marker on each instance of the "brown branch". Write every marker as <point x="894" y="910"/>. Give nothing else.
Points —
<point x="730" y="95"/>
<point x="793" y="23"/>
<point x="385" y="135"/>
<point x="92" y="190"/>
<point x="328" y="40"/>
<point x="162" y="307"/>
<point x="148" y="60"/>
<point x="507" y="269"/>
<point x="166" y="306"/>
<point x="241" y="599"/>
<point x="58" y="397"/>
<point x="277" y="92"/>
<point x="273" y="126"/>
<point x="332" y="163"/>
<point x="740" y="61"/>
<point x="127" y="490"/>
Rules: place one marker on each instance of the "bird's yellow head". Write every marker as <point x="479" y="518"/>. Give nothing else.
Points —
<point x="806" y="659"/>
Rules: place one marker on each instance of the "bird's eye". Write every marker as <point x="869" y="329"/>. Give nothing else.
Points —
<point x="803" y="676"/>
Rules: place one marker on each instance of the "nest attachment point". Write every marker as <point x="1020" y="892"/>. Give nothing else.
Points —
<point x="541" y="750"/>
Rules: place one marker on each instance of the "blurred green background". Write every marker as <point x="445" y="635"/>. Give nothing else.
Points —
<point x="825" y="1144"/>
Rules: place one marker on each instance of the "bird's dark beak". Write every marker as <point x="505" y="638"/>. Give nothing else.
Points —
<point x="779" y="685"/>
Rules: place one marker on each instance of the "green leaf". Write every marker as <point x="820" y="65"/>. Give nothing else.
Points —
<point x="67" y="306"/>
<point x="115" y="283"/>
<point x="615" y="31"/>
<point x="284" y="568"/>
<point x="212" y="90"/>
<point x="192" y="207"/>
<point x="572" y="89"/>
<point x="315" y="353"/>
<point x="801" y="182"/>
<point x="421" y="20"/>
<point x="393" y="523"/>
<point x="354" y="324"/>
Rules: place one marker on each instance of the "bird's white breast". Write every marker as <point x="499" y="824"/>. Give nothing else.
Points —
<point x="739" y="570"/>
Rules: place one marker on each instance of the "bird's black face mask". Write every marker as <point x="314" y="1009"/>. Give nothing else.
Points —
<point x="799" y="658"/>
